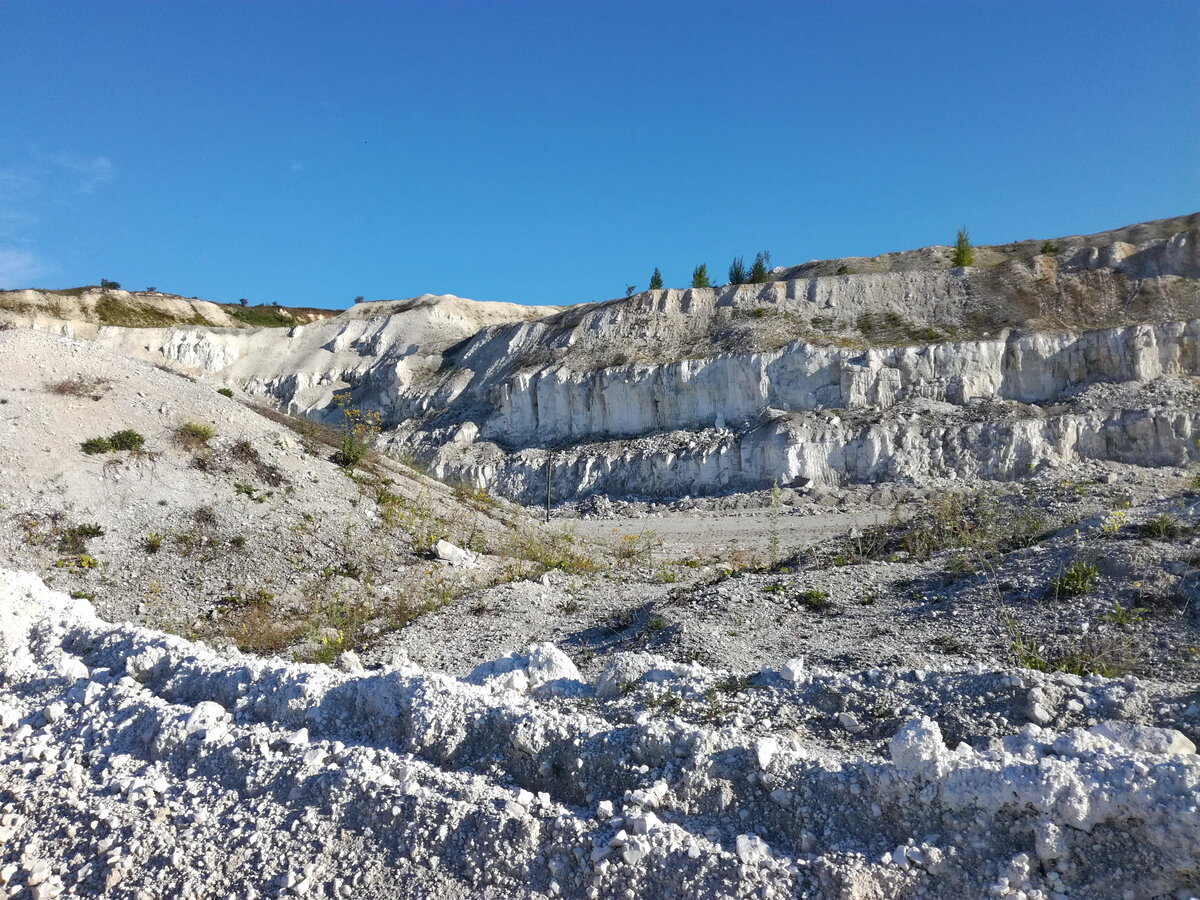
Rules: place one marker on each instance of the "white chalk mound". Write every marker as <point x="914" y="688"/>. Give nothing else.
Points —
<point x="138" y="763"/>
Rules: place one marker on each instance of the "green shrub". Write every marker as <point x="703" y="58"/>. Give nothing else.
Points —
<point x="964" y="253"/>
<point x="121" y="440"/>
<point x="127" y="439"/>
<point x="656" y="281"/>
<point x="357" y="433"/>
<point x="225" y="392"/>
<point x="152" y="543"/>
<point x="1125" y="615"/>
<point x="1076" y="580"/>
<point x="815" y="599"/>
<point x="93" y="446"/>
<point x="700" y="276"/>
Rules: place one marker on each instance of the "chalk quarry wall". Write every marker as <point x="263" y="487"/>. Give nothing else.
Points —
<point x="484" y="392"/>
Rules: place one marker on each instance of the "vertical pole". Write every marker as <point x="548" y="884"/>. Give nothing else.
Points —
<point x="549" y="471"/>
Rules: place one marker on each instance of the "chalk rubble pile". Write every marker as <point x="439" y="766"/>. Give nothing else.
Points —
<point x="135" y="763"/>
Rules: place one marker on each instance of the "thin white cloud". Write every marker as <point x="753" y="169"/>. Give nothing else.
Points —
<point x="86" y="173"/>
<point x="19" y="268"/>
<point x="296" y="166"/>
<point x="36" y="184"/>
<point x="14" y="223"/>
<point x="18" y="183"/>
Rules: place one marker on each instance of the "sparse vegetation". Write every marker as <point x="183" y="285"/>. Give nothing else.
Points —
<point x="79" y="386"/>
<point x="75" y="538"/>
<point x="890" y="327"/>
<point x="700" y="276"/>
<point x="952" y="645"/>
<point x="1113" y="522"/>
<point x="82" y="561"/>
<point x="129" y="313"/>
<point x="1125" y="616"/>
<point x="192" y="436"/>
<point x="250" y="492"/>
<point x="981" y="525"/>
<point x="257" y="629"/>
<point x="127" y="439"/>
<point x="1108" y="655"/>
<point x="773" y="524"/>
<point x="244" y="452"/>
<point x="656" y="280"/>
<point x="1163" y="527"/>
<point x="225" y="392"/>
<point x="97" y="445"/>
<point x="636" y="546"/>
<point x="476" y="496"/>
<point x="258" y="316"/>
<point x="358" y="430"/>
<point x="549" y="548"/>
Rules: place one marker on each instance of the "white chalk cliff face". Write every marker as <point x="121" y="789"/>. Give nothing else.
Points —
<point x="983" y="371"/>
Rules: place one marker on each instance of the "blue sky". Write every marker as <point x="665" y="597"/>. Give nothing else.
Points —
<point x="553" y="152"/>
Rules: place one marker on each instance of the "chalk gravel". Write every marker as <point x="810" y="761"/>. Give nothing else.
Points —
<point x="137" y="764"/>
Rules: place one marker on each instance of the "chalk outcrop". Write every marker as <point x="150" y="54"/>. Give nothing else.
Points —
<point x="895" y="372"/>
